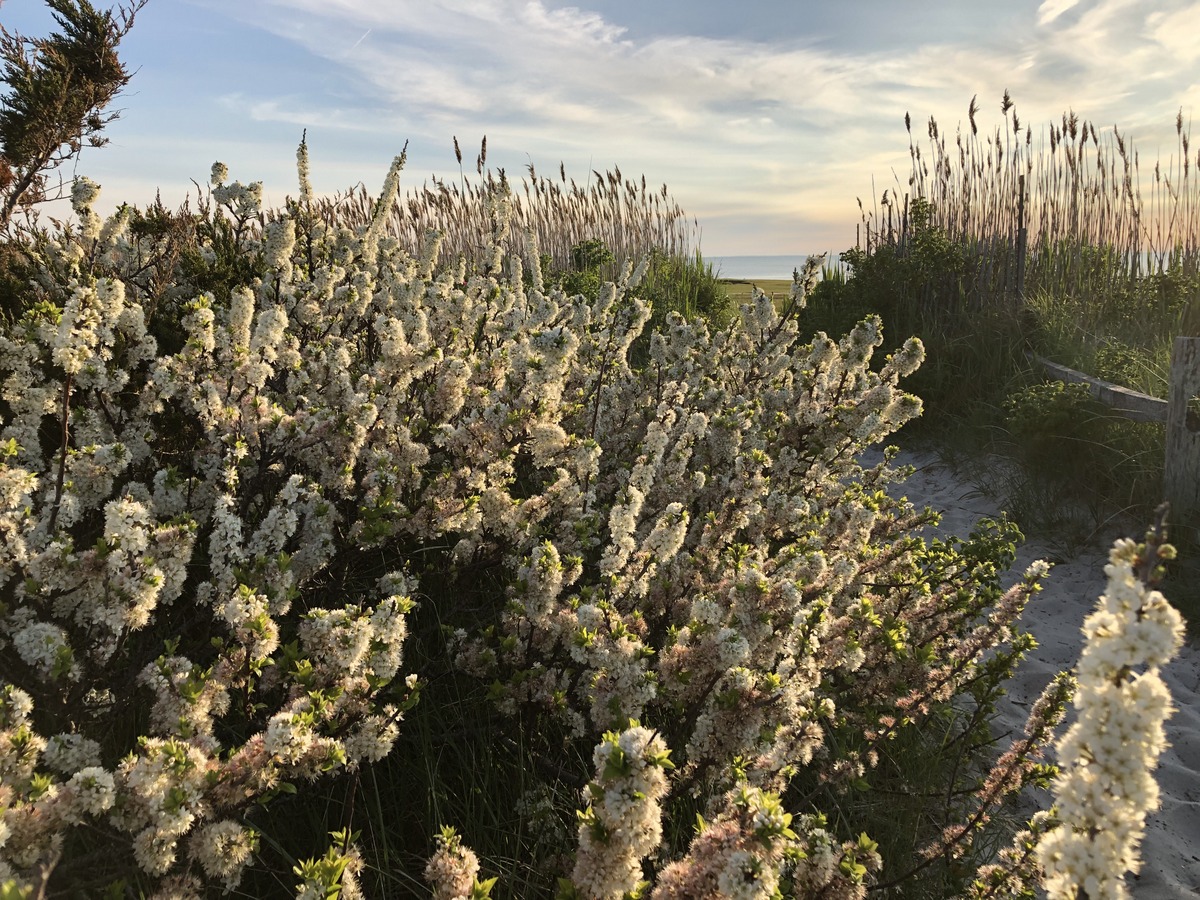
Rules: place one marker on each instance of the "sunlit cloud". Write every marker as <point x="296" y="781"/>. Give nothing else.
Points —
<point x="1052" y="9"/>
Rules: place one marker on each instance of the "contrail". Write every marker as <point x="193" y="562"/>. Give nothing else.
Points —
<point x="352" y="46"/>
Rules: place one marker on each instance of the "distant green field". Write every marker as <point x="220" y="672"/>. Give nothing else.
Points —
<point x="740" y="289"/>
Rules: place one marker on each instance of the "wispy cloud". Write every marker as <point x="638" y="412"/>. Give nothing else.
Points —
<point x="1052" y="9"/>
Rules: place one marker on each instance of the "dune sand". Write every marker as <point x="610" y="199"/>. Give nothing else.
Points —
<point x="1171" y="848"/>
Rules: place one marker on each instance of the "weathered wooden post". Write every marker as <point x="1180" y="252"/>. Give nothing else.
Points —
<point x="1022" y="241"/>
<point x="1181" y="475"/>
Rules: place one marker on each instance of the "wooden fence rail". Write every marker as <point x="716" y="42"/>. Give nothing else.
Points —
<point x="1125" y="403"/>
<point x="1180" y="412"/>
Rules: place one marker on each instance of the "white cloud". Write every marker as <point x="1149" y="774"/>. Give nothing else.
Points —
<point x="1178" y="33"/>
<point x="571" y="23"/>
<point x="1052" y="9"/>
<point x="294" y="111"/>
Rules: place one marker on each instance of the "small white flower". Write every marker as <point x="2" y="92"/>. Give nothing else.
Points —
<point x="224" y="849"/>
<point x="69" y="753"/>
<point x="93" y="791"/>
<point x="84" y="192"/>
<point x="44" y="648"/>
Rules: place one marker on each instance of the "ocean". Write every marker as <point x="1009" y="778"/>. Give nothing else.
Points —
<point x="751" y="267"/>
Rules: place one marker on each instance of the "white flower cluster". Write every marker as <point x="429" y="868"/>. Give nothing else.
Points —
<point x="746" y="851"/>
<point x="85" y="192"/>
<point x="623" y="822"/>
<point x="1107" y="757"/>
<point x="224" y="849"/>
<point x="162" y="792"/>
<point x="68" y="753"/>
<point x="243" y="200"/>
<point x="452" y="869"/>
<point x="44" y="648"/>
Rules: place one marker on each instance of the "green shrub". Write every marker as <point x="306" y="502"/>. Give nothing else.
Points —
<point x="917" y="285"/>
<point x="1081" y="461"/>
<point x="1049" y="421"/>
<point x="686" y="285"/>
<point x="671" y="284"/>
<point x="57" y="91"/>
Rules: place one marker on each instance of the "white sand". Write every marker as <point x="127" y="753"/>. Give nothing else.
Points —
<point x="1171" y="848"/>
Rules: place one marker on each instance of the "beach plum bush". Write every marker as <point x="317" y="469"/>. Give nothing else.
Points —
<point x="220" y="549"/>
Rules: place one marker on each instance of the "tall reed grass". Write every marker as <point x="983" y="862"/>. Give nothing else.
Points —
<point x="631" y="218"/>
<point x="1066" y="213"/>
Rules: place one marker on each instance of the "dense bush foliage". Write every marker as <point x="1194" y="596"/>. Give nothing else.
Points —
<point x="999" y="246"/>
<point x="984" y="389"/>
<point x="686" y="285"/>
<point x="918" y="284"/>
<point x="915" y="280"/>
<point x="210" y="553"/>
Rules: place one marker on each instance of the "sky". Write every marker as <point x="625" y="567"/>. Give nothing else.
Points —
<point x="767" y="119"/>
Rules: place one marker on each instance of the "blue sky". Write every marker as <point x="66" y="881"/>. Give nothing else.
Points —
<point x="765" y="118"/>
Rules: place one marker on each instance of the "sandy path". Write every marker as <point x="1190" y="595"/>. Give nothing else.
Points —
<point x="1171" y="849"/>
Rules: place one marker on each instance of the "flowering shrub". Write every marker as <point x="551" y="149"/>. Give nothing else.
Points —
<point x="213" y="553"/>
<point x="1107" y="784"/>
